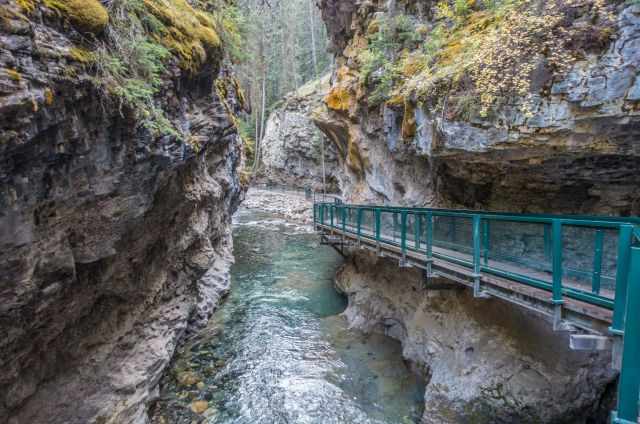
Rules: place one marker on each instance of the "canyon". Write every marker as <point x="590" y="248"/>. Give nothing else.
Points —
<point x="122" y="165"/>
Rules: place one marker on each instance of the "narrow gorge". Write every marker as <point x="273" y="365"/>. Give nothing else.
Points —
<point x="217" y="211"/>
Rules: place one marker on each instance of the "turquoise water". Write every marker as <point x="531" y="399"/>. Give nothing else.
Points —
<point x="277" y="351"/>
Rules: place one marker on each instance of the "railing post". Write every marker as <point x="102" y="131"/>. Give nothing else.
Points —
<point x="622" y="273"/>
<point x="395" y="225"/>
<point x="331" y="214"/>
<point x="403" y="237"/>
<point x="476" y="255"/>
<point x="547" y="241"/>
<point x="556" y="238"/>
<point x="596" y="278"/>
<point x="486" y="240"/>
<point x="378" y="225"/>
<point x="359" y="225"/>
<point x="429" y="244"/>
<point x="417" y="229"/>
<point x="629" y="383"/>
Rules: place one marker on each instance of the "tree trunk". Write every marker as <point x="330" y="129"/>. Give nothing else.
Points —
<point x="312" y="26"/>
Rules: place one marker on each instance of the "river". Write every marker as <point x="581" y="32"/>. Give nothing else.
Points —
<point x="278" y="351"/>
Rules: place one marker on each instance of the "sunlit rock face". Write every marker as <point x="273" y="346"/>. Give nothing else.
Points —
<point x="573" y="150"/>
<point x="112" y="241"/>
<point x="294" y="151"/>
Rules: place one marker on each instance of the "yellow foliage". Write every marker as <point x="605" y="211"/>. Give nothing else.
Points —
<point x="339" y="98"/>
<point x="27" y="5"/>
<point x="81" y="55"/>
<point x="14" y="75"/>
<point x="189" y="33"/>
<point x="245" y="178"/>
<point x="88" y="16"/>
<point x="395" y="100"/>
<point x="48" y="96"/>
<point x="242" y="99"/>
<point x="344" y="74"/>
<point x="412" y="64"/>
<point x="373" y="27"/>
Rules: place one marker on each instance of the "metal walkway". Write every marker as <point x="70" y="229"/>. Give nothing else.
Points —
<point x="581" y="271"/>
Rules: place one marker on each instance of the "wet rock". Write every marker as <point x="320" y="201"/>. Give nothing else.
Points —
<point x="199" y="406"/>
<point x="483" y="361"/>
<point x="187" y="378"/>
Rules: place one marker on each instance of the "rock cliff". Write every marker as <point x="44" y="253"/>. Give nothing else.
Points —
<point x="484" y="361"/>
<point x="117" y="184"/>
<point x="503" y="105"/>
<point x="293" y="147"/>
<point x="427" y="109"/>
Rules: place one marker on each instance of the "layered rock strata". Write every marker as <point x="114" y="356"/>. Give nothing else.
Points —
<point x="112" y="240"/>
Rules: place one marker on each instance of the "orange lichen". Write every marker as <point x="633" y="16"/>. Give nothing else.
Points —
<point x="339" y="99"/>
<point x="409" y="121"/>
<point x="48" y="96"/>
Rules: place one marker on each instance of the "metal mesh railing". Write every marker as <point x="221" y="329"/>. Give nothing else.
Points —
<point x="586" y="259"/>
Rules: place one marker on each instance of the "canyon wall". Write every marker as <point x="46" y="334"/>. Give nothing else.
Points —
<point x="294" y="151"/>
<point x="514" y="106"/>
<point x="560" y="140"/>
<point x="114" y="236"/>
<point x="484" y="361"/>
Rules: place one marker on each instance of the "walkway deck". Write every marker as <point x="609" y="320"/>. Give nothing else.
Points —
<point x="581" y="272"/>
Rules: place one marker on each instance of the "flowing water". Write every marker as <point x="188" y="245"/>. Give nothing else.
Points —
<point x="277" y="351"/>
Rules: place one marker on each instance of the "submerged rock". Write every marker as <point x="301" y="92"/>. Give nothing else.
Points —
<point x="199" y="406"/>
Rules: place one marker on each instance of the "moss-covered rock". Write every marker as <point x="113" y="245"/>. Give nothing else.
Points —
<point x="88" y="16"/>
<point x="187" y="32"/>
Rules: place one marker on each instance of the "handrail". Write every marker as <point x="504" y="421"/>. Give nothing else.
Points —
<point x="416" y="230"/>
<point x="533" y="217"/>
<point x="478" y="239"/>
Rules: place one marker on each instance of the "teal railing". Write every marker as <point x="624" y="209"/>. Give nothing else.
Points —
<point x="591" y="259"/>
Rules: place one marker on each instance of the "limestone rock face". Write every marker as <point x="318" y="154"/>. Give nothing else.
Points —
<point x="574" y="151"/>
<point x="293" y="146"/>
<point x="484" y="361"/>
<point x="112" y="241"/>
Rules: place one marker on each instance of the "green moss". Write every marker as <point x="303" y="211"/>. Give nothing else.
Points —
<point x="88" y="16"/>
<point x="187" y="32"/>
<point x="27" y="5"/>
<point x="81" y="55"/>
